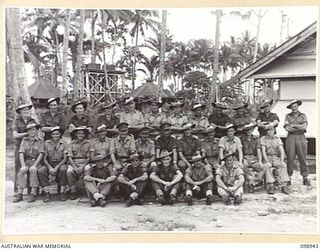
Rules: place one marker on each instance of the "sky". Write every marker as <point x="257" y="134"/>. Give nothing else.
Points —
<point x="197" y="23"/>
<point x="186" y="24"/>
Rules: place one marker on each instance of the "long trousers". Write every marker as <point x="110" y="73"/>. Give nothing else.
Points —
<point x="297" y="145"/>
<point x="276" y="164"/>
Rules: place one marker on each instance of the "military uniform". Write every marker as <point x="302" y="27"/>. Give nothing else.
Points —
<point x="122" y="149"/>
<point x="166" y="174"/>
<point x="18" y="125"/>
<point x="166" y="143"/>
<point x="253" y="171"/>
<point x="230" y="145"/>
<point x="48" y="120"/>
<point x="263" y="117"/>
<point x="79" y="151"/>
<point x="199" y="174"/>
<point x="55" y="153"/>
<point x="154" y="119"/>
<point x="31" y="151"/>
<point x="188" y="146"/>
<point x="272" y="145"/>
<point x="110" y="123"/>
<point x="178" y="120"/>
<point x="146" y="149"/>
<point x="201" y="122"/>
<point x="100" y="172"/>
<point x="134" y="118"/>
<point x="220" y="119"/>
<point x="130" y="173"/>
<point x="296" y="143"/>
<point x="230" y="179"/>
<point x="210" y="149"/>
<point x="84" y="120"/>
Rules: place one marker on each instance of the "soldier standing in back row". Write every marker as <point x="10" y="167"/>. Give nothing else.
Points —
<point x="266" y="117"/>
<point x="108" y="118"/>
<point x="81" y="118"/>
<point x="52" y="118"/>
<point x="198" y="119"/>
<point x="130" y="115"/>
<point x="219" y="119"/>
<point x="177" y="119"/>
<point x="296" y="144"/>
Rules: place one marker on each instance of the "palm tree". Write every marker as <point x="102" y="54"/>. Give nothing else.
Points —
<point x="65" y="57"/>
<point x="246" y="48"/>
<point x="77" y="78"/>
<point x="142" y="20"/>
<point x="18" y="77"/>
<point x="202" y="54"/>
<point x="151" y="67"/>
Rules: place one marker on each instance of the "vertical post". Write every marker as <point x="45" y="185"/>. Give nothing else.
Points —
<point x="214" y="86"/>
<point x="65" y="58"/>
<point x="162" y="51"/>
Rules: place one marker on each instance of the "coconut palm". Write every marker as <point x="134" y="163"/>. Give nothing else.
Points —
<point x="142" y="20"/>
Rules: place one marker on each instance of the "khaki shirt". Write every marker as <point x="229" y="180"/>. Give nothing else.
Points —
<point x="271" y="144"/>
<point x="132" y="118"/>
<point x="211" y="148"/>
<point x="79" y="151"/>
<point x="55" y="152"/>
<point x="100" y="148"/>
<point x="297" y="119"/>
<point x="229" y="178"/>
<point x="131" y="173"/>
<point x="189" y="146"/>
<point x="31" y="149"/>
<point x="201" y="122"/>
<point x="122" y="148"/>
<point x="198" y="174"/>
<point x="145" y="149"/>
<point x="230" y="145"/>
<point x="178" y="120"/>
<point x="154" y="119"/>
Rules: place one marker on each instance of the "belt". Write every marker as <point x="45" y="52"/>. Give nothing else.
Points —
<point x="297" y="133"/>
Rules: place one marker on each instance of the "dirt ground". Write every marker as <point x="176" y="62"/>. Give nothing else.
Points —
<point x="260" y="212"/>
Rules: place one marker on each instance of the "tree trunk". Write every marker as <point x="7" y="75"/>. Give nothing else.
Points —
<point x="135" y="58"/>
<point x="65" y="59"/>
<point x="162" y="51"/>
<point x="104" y="58"/>
<point x="16" y="60"/>
<point x="214" y="86"/>
<point x="77" y="79"/>
<point x="93" y="22"/>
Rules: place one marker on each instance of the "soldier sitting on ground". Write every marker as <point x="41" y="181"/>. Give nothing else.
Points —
<point x="198" y="179"/>
<point x="230" y="180"/>
<point x="56" y="160"/>
<point x="273" y="156"/>
<point x="133" y="179"/>
<point x="99" y="179"/>
<point x="166" y="179"/>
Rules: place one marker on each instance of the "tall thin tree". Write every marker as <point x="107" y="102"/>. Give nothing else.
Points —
<point x="65" y="58"/>
<point x="16" y="60"/>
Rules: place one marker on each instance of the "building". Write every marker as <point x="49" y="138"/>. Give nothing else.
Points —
<point x="291" y="70"/>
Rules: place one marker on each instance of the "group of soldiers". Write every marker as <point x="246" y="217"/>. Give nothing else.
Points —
<point x="177" y="155"/>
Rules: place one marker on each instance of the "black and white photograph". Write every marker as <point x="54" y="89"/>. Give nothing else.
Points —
<point x="160" y="120"/>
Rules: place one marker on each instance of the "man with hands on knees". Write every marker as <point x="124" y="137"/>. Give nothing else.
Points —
<point x="199" y="180"/>
<point x="230" y="180"/>
<point x="166" y="179"/>
<point x="133" y="179"/>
